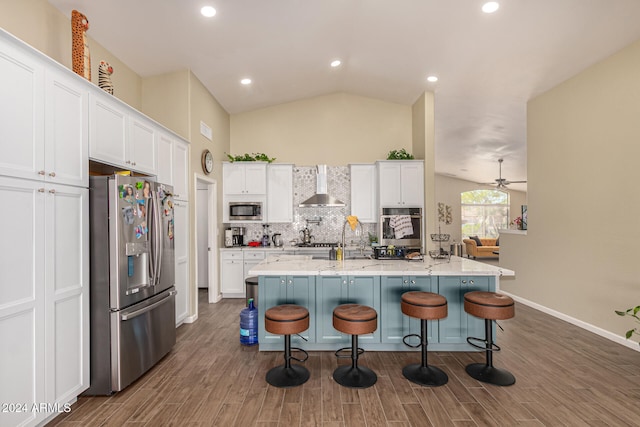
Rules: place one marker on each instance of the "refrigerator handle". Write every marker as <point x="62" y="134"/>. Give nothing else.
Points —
<point x="134" y="314"/>
<point x="159" y="240"/>
<point x="153" y="273"/>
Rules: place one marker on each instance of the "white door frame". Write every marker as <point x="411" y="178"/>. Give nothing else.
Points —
<point x="212" y="237"/>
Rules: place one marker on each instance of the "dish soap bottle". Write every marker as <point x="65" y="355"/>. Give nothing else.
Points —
<point x="339" y="253"/>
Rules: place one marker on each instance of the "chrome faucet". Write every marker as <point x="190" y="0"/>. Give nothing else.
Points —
<point x="358" y="233"/>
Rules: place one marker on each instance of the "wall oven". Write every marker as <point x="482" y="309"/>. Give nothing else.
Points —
<point x="245" y="211"/>
<point x="401" y="227"/>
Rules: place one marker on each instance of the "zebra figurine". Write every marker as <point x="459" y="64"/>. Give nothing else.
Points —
<point x="104" y="77"/>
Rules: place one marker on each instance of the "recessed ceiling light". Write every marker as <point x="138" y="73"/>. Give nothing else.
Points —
<point x="432" y="79"/>
<point x="336" y="63"/>
<point x="208" y="11"/>
<point x="245" y="81"/>
<point x="490" y="7"/>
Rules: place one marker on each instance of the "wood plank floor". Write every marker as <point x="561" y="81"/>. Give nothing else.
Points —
<point x="565" y="376"/>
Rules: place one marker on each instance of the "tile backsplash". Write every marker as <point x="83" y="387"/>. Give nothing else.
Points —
<point x="329" y="229"/>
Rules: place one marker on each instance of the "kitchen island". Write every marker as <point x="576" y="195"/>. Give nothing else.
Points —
<point x="321" y="285"/>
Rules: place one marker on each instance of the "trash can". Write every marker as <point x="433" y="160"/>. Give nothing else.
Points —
<point x="456" y="249"/>
<point x="251" y="290"/>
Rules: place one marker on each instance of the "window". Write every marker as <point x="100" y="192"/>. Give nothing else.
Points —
<point x="484" y="212"/>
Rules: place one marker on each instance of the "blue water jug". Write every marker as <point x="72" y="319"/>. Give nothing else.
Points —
<point x="249" y="325"/>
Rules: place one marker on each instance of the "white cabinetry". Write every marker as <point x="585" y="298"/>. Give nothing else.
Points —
<point x="364" y="203"/>
<point x="183" y="286"/>
<point x="44" y="295"/>
<point x="43" y="121"/>
<point x="164" y="171"/>
<point x="142" y="144"/>
<point x="234" y="269"/>
<point x="244" y="178"/>
<point x="44" y="268"/>
<point x="280" y="193"/>
<point x="181" y="170"/>
<point x="121" y="137"/>
<point x="173" y="164"/>
<point x="231" y="273"/>
<point x="401" y="183"/>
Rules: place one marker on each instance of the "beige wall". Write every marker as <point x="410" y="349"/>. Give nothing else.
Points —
<point x="448" y="191"/>
<point x="42" y="26"/>
<point x="423" y="147"/>
<point x="165" y="98"/>
<point x="333" y="129"/>
<point x="578" y="257"/>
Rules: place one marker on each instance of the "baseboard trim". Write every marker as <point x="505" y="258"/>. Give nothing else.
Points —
<point x="190" y="319"/>
<point x="581" y="324"/>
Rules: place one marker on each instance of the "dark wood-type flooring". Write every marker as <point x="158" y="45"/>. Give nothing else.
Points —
<point x="565" y="376"/>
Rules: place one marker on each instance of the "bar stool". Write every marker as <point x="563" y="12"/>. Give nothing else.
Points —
<point x="488" y="306"/>
<point x="424" y="306"/>
<point x="354" y="319"/>
<point x="285" y="320"/>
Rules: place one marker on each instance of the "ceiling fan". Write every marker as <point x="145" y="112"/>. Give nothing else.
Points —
<point x="502" y="183"/>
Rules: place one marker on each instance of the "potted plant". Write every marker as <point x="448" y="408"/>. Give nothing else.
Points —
<point x="399" y="155"/>
<point x="632" y="312"/>
<point x="256" y="157"/>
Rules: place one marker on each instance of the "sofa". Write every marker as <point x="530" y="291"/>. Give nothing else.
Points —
<point x="486" y="250"/>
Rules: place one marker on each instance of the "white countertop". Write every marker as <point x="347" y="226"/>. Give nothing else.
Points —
<point x="457" y="266"/>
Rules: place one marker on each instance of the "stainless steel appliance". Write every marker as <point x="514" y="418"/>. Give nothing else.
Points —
<point x="132" y="299"/>
<point x="238" y="235"/>
<point x="245" y="211"/>
<point x="408" y="237"/>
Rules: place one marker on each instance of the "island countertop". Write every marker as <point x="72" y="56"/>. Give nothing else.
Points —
<point x="456" y="266"/>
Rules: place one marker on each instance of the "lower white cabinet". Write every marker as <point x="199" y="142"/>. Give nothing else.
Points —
<point x="232" y="273"/>
<point x="234" y="269"/>
<point x="181" y="246"/>
<point x="44" y="298"/>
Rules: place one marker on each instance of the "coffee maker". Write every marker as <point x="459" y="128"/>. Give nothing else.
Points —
<point x="237" y="235"/>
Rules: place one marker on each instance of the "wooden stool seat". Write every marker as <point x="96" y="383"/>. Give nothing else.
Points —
<point x="424" y="305"/>
<point x="355" y="319"/>
<point x="489" y="305"/>
<point x="286" y="319"/>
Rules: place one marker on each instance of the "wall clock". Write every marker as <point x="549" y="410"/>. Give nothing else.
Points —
<point x="207" y="161"/>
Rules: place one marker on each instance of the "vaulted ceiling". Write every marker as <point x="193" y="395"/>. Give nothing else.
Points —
<point x="488" y="65"/>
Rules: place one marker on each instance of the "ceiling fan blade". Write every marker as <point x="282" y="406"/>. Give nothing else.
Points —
<point x="517" y="182"/>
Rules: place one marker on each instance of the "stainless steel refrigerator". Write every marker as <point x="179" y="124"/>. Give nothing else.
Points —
<point x="132" y="279"/>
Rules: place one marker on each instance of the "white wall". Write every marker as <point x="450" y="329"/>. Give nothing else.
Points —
<point x="578" y="257"/>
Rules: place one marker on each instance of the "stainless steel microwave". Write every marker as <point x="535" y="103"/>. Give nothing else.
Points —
<point x="245" y="211"/>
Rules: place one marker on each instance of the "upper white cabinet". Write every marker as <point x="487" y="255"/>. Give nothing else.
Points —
<point x="173" y="164"/>
<point x="180" y="170"/>
<point x="142" y="144"/>
<point x="240" y="178"/>
<point x="364" y="203"/>
<point x="121" y="137"/>
<point x="43" y="120"/>
<point x="401" y="183"/>
<point x="164" y="171"/>
<point x="66" y="130"/>
<point x="108" y="131"/>
<point x="279" y="193"/>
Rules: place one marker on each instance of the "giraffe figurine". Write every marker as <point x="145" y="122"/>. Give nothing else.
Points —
<point x="80" y="57"/>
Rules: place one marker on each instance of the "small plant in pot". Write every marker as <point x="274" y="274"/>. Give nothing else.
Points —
<point x="632" y="312"/>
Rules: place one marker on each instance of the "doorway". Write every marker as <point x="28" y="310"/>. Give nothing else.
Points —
<point x="206" y="233"/>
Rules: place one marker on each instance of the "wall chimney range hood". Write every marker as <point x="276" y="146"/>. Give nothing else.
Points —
<point x="321" y="198"/>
